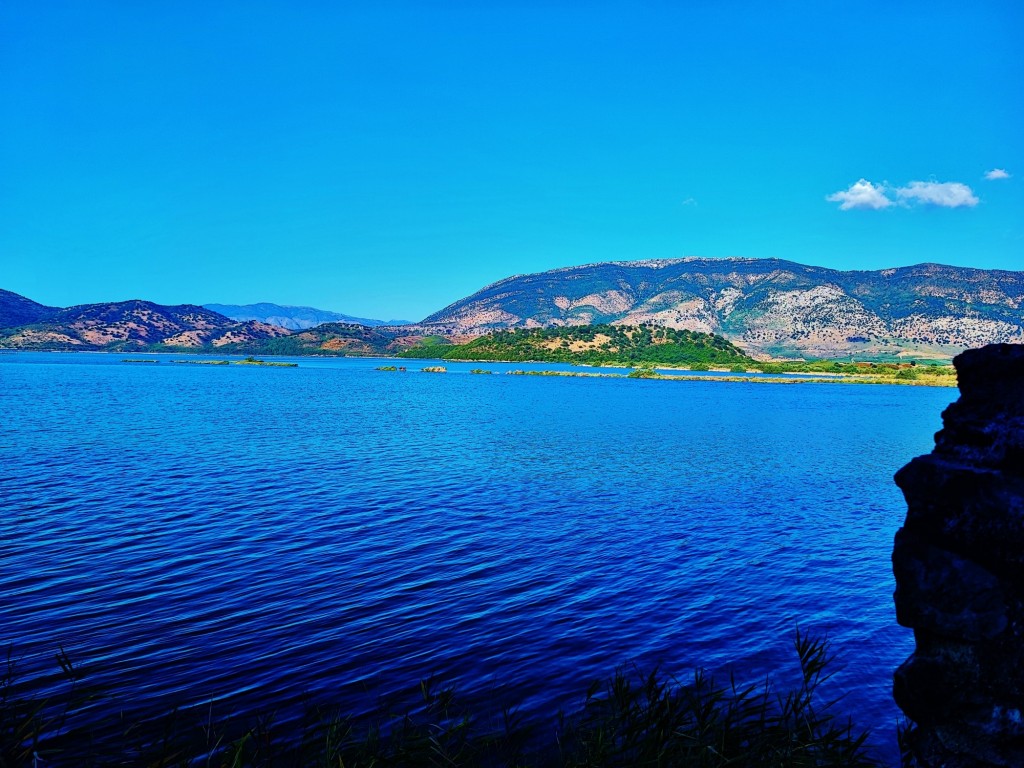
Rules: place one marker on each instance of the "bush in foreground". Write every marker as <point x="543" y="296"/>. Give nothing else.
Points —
<point x="629" y="720"/>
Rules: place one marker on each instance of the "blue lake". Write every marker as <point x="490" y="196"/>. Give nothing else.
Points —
<point x="265" y="534"/>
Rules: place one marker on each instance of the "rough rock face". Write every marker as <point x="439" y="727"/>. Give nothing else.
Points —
<point x="959" y="566"/>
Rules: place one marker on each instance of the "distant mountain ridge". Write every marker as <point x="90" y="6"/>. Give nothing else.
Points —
<point x="341" y="339"/>
<point x="765" y="306"/>
<point x="293" y="318"/>
<point x="17" y="310"/>
<point x="135" y="324"/>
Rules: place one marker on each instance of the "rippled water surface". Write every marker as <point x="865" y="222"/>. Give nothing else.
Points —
<point x="201" y="532"/>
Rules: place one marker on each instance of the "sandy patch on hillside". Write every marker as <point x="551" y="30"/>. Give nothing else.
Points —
<point x="185" y="339"/>
<point x="30" y="338"/>
<point x="334" y="345"/>
<point x="577" y="346"/>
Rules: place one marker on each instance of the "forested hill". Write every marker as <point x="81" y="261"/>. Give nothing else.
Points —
<point x="593" y="345"/>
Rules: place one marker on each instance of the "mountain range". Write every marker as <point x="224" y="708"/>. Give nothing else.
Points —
<point x="767" y="307"/>
<point x="292" y="318"/>
<point x="122" y="326"/>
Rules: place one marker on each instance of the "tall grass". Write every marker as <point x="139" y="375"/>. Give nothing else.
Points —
<point x="652" y="721"/>
<point x="631" y="719"/>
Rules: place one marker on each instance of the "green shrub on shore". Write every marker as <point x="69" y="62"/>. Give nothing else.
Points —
<point x="631" y="719"/>
<point x="643" y="373"/>
<point x="653" y="721"/>
<point x="256" y="361"/>
<point x="895" y="370"/>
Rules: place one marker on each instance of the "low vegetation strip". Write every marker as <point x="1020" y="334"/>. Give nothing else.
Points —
<point x="271" y="364"/>
<point x="648" y="373"/>
<point x="631" y="719"/>
<point x="246" y="361"/>
<point x="904" y="371"/>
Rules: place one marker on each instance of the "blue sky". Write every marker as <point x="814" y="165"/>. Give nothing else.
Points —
<point x="385" y="159"/>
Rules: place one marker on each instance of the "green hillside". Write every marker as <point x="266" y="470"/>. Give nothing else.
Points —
<point x="593" y="345"/>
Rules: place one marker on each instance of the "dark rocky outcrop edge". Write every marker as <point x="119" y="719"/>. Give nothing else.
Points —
<point x="959" y="567"/>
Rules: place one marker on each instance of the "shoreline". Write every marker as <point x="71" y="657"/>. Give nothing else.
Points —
<point x="837" y="378"/>
<point x="782" y="377"/>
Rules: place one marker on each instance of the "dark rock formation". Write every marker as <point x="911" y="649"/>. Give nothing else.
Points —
<point x="959" y="566"/>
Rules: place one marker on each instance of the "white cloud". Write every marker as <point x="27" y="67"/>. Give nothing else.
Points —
<point x="997" y="173"/>
<point x="862" y="195"/>
<point x="946" y="194"/>
<point x="689" y="201"/>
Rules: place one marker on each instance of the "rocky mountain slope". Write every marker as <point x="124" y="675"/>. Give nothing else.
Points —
<point x="136" y="324"/>
<point x="292" y="318"/>
<point x="765" y="306"/>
